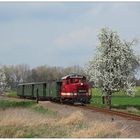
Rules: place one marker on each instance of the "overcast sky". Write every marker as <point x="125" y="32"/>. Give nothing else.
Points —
<point x="61" y="33"/>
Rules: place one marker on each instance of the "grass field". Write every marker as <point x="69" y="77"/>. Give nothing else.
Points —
<point x="120" y="100"/>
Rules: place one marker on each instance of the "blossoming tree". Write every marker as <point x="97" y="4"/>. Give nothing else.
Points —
<point x="114" y="65"/>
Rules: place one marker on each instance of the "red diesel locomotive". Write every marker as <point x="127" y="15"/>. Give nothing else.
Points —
<point x="74" y="88"/>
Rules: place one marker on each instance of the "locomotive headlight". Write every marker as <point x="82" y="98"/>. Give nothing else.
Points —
<point x="75" y="93"/>
<point x="81" y="84"/>
<point x="68" y="93"/>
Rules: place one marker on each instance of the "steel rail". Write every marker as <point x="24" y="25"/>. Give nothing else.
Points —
<point x="107" y="111"/>
<point x="113" y="112"/>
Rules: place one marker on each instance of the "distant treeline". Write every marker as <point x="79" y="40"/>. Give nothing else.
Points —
<point x="11" y="76"/>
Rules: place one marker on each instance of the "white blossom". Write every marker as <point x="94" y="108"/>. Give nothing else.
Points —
<point x="2" y="80"/>
<point x="114" y="65"/>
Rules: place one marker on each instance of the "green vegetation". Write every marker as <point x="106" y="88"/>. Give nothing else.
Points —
<point x="97" y="92"/>
<point x="11" y="104"/>
<point x="119" y="99"/>
<point x="11" y="93"/>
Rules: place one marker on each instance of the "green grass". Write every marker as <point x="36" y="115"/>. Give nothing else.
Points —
<point x="4" y="104"/>
<point x="120" y="100"/>
<point x="11" y="93"/>
<point x="97" y="92"/>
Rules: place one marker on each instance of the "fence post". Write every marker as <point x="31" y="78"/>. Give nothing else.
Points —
<point x="37" y="97"/>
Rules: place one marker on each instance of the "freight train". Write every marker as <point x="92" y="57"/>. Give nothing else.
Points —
<point x="71" y="88"/>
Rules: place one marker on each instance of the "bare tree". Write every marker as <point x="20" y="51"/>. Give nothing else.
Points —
<point x="15" y="74"/>
<point x="21" y="72"/>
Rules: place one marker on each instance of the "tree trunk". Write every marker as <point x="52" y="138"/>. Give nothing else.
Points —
<point x="106" y="98"/>
<point x="103" y="99"/>
<point x="109" y="101"/>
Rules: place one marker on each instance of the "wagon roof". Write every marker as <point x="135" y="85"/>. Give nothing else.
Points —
<point x="73" y="76"/>
<point x="32" y="83"/>
<point x="37" y="83"/>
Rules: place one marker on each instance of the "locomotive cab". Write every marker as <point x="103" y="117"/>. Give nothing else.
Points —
<point x="75" y="88"/>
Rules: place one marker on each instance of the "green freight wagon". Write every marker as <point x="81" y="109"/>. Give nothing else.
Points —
<point x="46" y="90"/>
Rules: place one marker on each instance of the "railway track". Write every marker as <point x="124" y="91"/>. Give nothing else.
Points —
<point x="105" y="111"/>
<point x="112" y="112"/>
<point x="108" y="111"/>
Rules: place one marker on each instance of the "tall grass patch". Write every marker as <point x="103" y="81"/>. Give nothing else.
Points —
<point x="42" y="110"/>
<point x="11" y="93"/>
<point x="98" y="129"/>
<point x="33" y="123"/>
<point x="4" y="104"/>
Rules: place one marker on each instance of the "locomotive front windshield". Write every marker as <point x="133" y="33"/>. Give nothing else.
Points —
<point x="77" y="80"/>
<point x="74" y="80"/>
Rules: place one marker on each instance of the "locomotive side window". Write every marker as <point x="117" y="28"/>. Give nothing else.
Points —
<point x="77" y="80"/>
<point x="66" y="82"/>
<point x="71" y="80"/>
